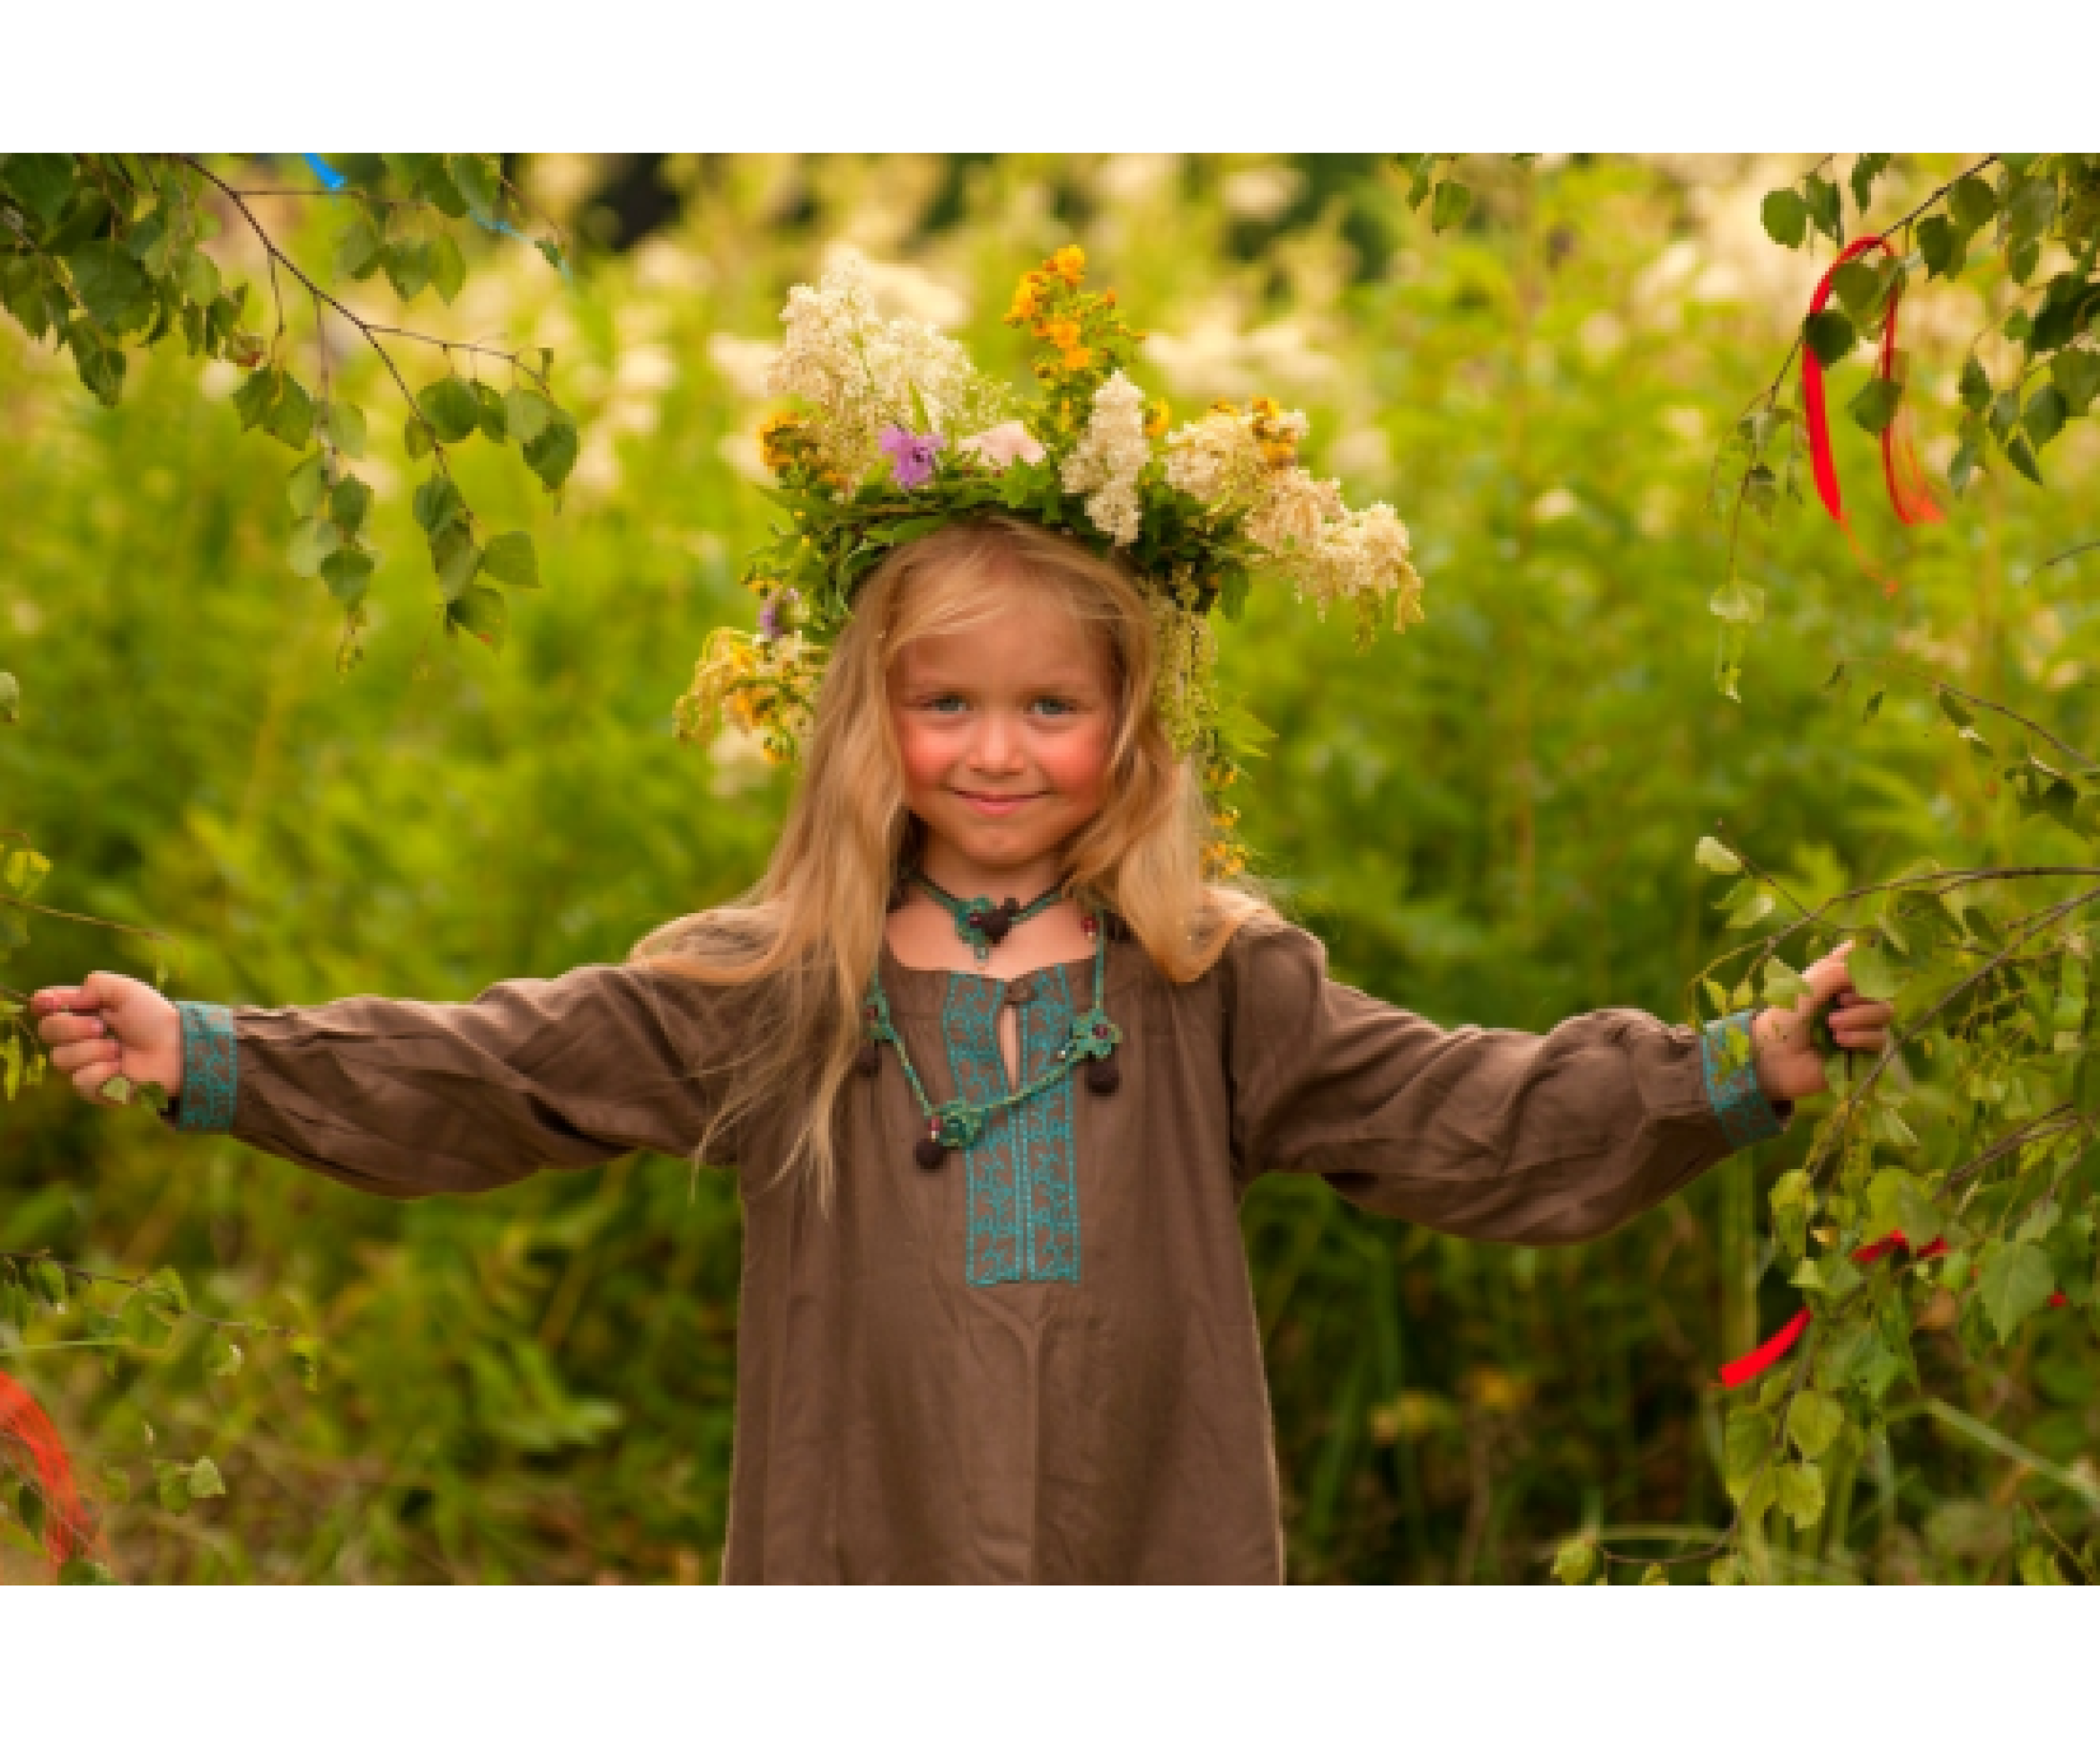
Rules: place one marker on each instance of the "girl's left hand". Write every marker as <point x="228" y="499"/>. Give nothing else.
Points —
<point x="1788" y="1066"/>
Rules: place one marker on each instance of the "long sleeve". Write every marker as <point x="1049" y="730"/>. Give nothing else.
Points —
<point x="407" y="1097"/>
<point x="1492" y="1133"/>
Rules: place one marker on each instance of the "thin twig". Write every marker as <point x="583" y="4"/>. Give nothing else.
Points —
<point x="1756" y="872"/>
<point x="1950" y="880"/>
<point x="134" y="1286"/>
<point x="323" y="194"/>
<point x="1941" y="192"/>
<point x="2090" y="545"/>
<point x="1711" y="1550"/>
<point x="59" y="914"/>
<point x="516" y="359"/>
<point x="1888" y="663"/>
<point x="2059" y="1120"/>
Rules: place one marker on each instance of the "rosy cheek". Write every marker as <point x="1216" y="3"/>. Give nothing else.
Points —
<point x="1078" y="766"/>
<point x="922" y="756"/>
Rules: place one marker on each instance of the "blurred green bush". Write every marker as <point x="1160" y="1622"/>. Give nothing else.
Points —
<point x="1491" y="821"/>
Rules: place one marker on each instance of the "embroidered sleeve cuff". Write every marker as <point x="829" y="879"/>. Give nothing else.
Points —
<point x="209" y="1067"/>
<point x="1729" y="1059"/>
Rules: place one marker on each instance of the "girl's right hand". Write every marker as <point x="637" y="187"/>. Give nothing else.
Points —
<point x="111" y="1024"/>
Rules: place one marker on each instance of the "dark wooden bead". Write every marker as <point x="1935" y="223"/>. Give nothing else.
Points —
<point x="995" y="925"/>
<point x="931" y="1154"/>
<point x="869" y="1061"/>
<point x="1103" y="1075"/>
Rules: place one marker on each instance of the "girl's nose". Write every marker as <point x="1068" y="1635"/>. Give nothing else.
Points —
<point x="997" y="746"/>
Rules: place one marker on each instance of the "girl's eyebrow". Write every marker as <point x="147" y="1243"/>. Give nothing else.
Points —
<point x="976" y="679"/>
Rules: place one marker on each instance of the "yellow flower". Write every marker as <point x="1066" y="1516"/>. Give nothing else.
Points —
<point x="741" y="706"/>
<point x="1077" y="358"/>
<point x="1064" y="335"/>
<point x="1274" y="434"/>
<point x="1158" y="417"/>
<point x="1026" y="300"/>
<point x="1069" y="263"/>
<point x="778" y="443"/>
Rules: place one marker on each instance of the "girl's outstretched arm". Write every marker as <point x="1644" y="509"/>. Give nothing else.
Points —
<point x="1493" y="1134"/>
<point x="406" y="1097"/>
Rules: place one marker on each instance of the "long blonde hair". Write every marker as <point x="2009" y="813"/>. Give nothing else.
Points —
<point x="808" y="936"/>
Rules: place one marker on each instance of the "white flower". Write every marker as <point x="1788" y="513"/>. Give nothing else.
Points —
<point x="1109" y="457"/>
<point x="1291" y="507"/>
<point x="1363" y="558"/>
<point x="1002" y="444"/>
<point x="1230" y="460"/>
<point x="858" y="372"/>
<point x="1215" y="460"/>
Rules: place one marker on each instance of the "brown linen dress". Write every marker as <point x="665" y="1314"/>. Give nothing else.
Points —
<point x="1094" y="1408"/>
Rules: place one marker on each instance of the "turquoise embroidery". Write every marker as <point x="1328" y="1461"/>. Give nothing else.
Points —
<point x="209" y="1068"/>
<point x="1728" y="1063"/>
<point x="1021" y="1174"/>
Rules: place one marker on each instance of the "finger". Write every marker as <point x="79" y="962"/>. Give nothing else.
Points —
<point x="1871" y="1042"/>
<point x="1828" y="978"/>
<point x="66" y="1028"/>
<point x="88" y="1081"/>
<point x="70" y="1056"/>
<point x="109" y="988"/>
<point x="62" y="1000"/>
<point x="1866" y="1012"/>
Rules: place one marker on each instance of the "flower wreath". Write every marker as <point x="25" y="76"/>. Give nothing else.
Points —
<point x="894" y="433"/>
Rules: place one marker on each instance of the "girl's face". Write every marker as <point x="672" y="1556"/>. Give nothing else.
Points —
<point x="1005" y="731"/>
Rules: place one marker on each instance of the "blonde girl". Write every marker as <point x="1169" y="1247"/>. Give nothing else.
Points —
<point x="1031" y="1355"/>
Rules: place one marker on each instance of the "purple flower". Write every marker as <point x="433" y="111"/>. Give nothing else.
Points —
<point x="769" y="614"/>
<point x="910" y="457"/>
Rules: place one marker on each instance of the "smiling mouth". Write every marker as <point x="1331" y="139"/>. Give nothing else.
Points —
<point x="993" y="803"/>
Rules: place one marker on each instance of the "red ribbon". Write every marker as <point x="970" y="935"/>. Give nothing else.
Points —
<point x="23" y="1423"/>
<point x="1752" y="1365"/>
<point x="1908" y="494"/>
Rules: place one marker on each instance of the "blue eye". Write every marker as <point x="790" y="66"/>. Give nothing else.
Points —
<point x="945" y="705"/>
<point x="1055" y="706"/>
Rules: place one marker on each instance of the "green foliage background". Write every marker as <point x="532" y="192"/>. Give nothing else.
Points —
<point x="1491" y="821"/>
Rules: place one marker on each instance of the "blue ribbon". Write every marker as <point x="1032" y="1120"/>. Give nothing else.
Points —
<point x="331" y="178"/>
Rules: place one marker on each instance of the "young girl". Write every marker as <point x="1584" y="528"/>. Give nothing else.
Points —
<point x="994" y="1063"/>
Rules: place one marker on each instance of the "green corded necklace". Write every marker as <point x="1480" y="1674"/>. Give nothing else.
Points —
<point x="980" y="924"/>
<point x="957" y="1124"/>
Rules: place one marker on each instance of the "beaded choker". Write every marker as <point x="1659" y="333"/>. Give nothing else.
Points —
<point x="980" y="924"/>
<point x="957" y="1124"/>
